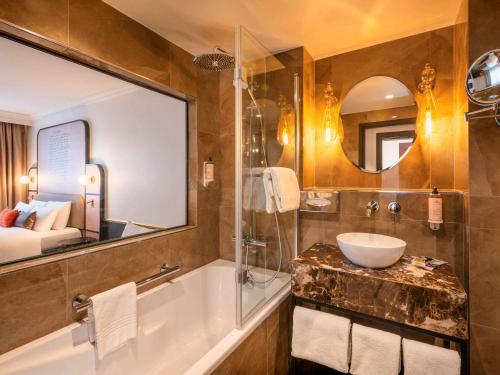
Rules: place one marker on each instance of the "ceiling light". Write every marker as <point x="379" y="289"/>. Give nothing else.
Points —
<point x="394" y="116"/>
<point x="389" y="96"/>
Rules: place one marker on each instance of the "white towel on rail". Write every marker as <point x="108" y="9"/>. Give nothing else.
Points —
<point x="113" y="315"/>
<point x="321" y="337"/>
<point x="282" y="187"/>
<point x="425" y="359"/>
<point x="375" y="352"/>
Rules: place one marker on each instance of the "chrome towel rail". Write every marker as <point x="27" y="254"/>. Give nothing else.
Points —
<point x="81" y="302"/>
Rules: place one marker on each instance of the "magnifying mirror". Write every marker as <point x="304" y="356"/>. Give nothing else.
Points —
<point x="483" y="85"/>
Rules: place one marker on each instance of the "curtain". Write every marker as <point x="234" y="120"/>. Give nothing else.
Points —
<point x="13" y="156"/>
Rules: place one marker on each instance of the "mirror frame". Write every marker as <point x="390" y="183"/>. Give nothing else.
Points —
<point x="47" y="45"/>
<point x="405" y="153"/>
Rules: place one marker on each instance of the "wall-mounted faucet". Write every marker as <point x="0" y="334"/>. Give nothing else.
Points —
<point x="371" y="208"/>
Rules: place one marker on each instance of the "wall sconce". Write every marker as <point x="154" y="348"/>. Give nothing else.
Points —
<point x="428" y="108"/>
<point x="25" y="180"/>
<point x="285" y="122"/>
<point x="331" y="129"/>
<point x="86" y="180"/>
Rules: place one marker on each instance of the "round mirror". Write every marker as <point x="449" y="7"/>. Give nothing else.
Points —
<point x="379" y="117"/>
<point x="483" y="79"/>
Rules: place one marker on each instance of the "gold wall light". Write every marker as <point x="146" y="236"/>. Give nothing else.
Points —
<point x="428" y="108"/>
<point x="331" y="129"/>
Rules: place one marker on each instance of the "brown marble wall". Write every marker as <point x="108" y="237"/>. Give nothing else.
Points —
<point x="431" y="161"/>
<point x="37" y="301"/>
<point x="266" y="350"/>
<point x="411" y="224"/>
<point x="484" y="202"/>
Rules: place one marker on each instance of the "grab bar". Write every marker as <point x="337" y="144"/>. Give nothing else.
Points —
<point x="81" y="302"/>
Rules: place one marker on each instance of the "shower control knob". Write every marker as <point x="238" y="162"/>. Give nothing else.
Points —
<point x="394" y="208"/>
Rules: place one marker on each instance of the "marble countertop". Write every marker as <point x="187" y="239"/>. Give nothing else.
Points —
<point x="432" y="300"/>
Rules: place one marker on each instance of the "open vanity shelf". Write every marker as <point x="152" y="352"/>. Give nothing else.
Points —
<point x="402" y="298"/>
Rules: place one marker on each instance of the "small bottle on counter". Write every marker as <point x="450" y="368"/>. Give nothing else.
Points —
<point x="435" y="209"/>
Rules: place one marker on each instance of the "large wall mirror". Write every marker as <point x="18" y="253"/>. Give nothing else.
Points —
<point x="97" y="158"/>
<point x="379" y="121"/>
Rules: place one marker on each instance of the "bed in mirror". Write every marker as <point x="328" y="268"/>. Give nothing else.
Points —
<point x="91" y="158"/>
<point x="378" y="116"/>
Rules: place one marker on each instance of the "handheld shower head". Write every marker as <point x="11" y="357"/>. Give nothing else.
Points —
<point x="216" y="61"/>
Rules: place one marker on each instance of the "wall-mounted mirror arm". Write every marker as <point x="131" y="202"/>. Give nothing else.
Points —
<point x="492" y="111"/>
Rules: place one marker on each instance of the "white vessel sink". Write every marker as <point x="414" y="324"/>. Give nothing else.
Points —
<point x="371" y="250"/>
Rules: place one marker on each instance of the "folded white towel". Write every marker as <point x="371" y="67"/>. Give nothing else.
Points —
<point x="425" y="359"/>
<point x="321" y="337"/>
<point x="113" y="314"/>
<point x="281" y="185"/>
<point x="375" y="352"/>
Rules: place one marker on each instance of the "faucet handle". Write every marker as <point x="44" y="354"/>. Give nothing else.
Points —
<point x="371" y="208"/>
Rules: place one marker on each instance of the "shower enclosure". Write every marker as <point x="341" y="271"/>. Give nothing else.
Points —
<point x="266" y="119"/>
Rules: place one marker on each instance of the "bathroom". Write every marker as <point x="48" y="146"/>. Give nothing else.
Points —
<point x="243" y="218"/>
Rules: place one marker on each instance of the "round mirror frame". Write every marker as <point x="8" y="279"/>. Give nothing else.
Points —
<point x="404" y="154"/>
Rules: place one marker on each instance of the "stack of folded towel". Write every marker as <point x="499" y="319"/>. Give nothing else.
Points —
<point x="328" y="339"/>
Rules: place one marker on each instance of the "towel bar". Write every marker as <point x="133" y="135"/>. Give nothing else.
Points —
<point x="81" y="302"/>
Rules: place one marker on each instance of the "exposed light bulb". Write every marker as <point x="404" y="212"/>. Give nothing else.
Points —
<point x="285" y="137"/>
<point x="428" y="122"/>
<point x="24" y="180"/>
<point x="328" y="135"/>
<point x="82" y="180"/>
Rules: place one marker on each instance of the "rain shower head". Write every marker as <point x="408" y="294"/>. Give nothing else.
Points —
<point x="216" y="61"/>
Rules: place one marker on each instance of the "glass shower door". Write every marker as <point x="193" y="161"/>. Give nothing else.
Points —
<point x="265" y="95"/>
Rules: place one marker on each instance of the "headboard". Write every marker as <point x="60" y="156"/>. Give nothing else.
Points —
<point x="77" y="215"/>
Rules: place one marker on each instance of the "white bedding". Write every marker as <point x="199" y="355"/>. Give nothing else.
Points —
<point x="17" y="243"/>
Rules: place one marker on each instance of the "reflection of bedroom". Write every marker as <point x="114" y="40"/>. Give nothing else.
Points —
<point x="85" y="157"/>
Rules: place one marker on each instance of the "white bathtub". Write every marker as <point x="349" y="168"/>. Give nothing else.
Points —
<point x="186" y="326"/>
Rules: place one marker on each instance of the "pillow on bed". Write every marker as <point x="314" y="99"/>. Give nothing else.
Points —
<point x="26" y="220"/>
<point x="8" y="217"/>
<point x="35" y="203"/>
<point x="21" y="206"/>
<point x="63" y="211"/>
<point x="45" y="217"/>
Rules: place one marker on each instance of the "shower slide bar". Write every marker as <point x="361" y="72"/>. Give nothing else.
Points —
<point x="81" y="302"/>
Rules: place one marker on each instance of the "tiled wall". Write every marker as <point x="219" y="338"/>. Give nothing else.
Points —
<point x="431" y="161"/>
<point x="37" y="301"/>
<point x="410" y="224"/>
<point x="266" y="350"/>
<point x="484" y="206"/>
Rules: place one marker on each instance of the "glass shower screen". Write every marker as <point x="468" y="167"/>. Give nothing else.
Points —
<point x="266" y="128"/>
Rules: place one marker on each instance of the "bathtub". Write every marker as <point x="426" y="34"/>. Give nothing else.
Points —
<point x="186" y="326"/>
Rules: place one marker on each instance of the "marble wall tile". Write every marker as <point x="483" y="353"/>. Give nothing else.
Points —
<point x="99" y="30"/>
<point x="484" y="185"/>
<point x="484" y="359"/>
<point x="484" y="279"/>
<point x="33" y="303"/>
<point x="45" y="17"/>
<point x="266" y="350"/>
